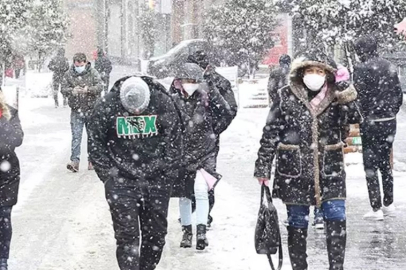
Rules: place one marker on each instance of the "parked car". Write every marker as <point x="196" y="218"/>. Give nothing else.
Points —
<point x="165" y="65"/>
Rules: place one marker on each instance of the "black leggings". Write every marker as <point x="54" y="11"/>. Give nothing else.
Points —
<point x="5" y="231"/>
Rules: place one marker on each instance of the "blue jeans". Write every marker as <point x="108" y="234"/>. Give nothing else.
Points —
<point x="202" y="204"/>
<point x="298" y="215"/>
<point x="78" y="120"/>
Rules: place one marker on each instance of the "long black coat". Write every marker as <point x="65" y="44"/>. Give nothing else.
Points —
<point x="307" y="144"/>
<point x="199" y="113"/>
<point x="222" y="121"/>
<point x="11" y="136"/>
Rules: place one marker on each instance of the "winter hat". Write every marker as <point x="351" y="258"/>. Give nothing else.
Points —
<point x="135" y="95"/>
<point x="190" y="71"/>
<point x="312" y="58"/>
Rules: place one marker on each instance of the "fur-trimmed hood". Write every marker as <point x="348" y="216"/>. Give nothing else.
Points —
<point x="4" y="107"/>
<point x="310" y="58"/>
<point x="319" y="59"/>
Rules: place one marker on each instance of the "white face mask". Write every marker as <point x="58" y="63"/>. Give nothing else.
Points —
<point x="80" y="69"/>
<point x="190" y="88"/>
<point x="314" y="81"/>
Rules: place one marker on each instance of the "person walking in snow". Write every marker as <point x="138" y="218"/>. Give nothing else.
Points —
<point x="199" y="103"/>
<point x="303" y="131"/>
<point x="279" y="76"/>
<point x="18" y="64"/>
<point x="381" y="97"/>
<point x="222" y="122"/>
<point x="82" y="86"/>
<point x="11" y="136"/>
<point x="134" y="138"/>
<point x="58" y="65"/>
<point x="104" y="67"/>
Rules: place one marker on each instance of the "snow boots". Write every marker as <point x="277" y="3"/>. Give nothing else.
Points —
<point x="201" y="238"/>
<point x="336" y="242"/>
<point x="3" y="264"/>
<point x="297" y="245"/>
<point x="187" y="237"/>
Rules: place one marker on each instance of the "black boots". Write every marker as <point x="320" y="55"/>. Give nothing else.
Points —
<point x="336" y="242"/>
<point x="3" y="264"/>
<point x="202" y="241"/>
<point x="186" y="238"/>
<point x="297" y="244"/>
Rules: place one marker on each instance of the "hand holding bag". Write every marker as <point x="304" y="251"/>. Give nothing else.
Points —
<point x="267" y="232"/>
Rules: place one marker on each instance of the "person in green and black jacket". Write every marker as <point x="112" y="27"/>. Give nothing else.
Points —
<point x="135" y="144"/>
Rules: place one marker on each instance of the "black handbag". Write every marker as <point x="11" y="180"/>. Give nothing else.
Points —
<point x="267" y="232"/>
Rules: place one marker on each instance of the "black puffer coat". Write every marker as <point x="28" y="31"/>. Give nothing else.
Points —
<point x="278" y="78"/>
<point x="122" y="151"/>
<point x="11" y="136"/>
<point x="307" y="142"/>
<point x="103" y="66"/>
<point x="377" y="83"/>
<point x="199" y="134"/>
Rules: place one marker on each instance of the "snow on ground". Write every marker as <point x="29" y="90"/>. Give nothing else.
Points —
<point x="62" y="220"/>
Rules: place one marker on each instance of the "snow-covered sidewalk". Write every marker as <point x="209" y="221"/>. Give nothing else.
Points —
<point x="62" y="220"/>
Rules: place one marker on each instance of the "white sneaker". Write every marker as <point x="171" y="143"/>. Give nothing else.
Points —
<point x="389" y="210"/>
<point x="374" y="215"/>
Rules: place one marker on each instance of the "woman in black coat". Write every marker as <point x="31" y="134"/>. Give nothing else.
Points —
<point x="198" y="104"/>
<point x="304" y="132"/>
<point x="11" y="136"/>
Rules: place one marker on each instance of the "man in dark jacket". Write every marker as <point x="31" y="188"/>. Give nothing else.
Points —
<point x="214" y="79"/>
<point x="381" y="97"/>
<point x="279" y="76"/>
<point x="303" y="132"/>
<point x="82" y="86"/>
<point x="134" y="141"/>
<point x="58" y="65"/>
<point x="104" y="67"/>
<point x="11" y="137"/>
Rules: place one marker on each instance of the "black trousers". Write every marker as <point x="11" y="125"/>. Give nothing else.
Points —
<point x="5" y="231"/>
<point x="377" y="142"/>
<point x="140" y="223"/>
<point x="56" y="83"/>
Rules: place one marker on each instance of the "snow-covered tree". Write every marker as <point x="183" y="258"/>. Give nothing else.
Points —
<point x="13" y="17"/>
<point x="47" y="26"/>
<point x="147" y="20"/>
<point x="37" y="26"/>
<point x="242" y="28"/>
<point x="341" y="22"/>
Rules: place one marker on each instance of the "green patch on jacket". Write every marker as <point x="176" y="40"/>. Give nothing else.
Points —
<point x="136" y="126"/>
